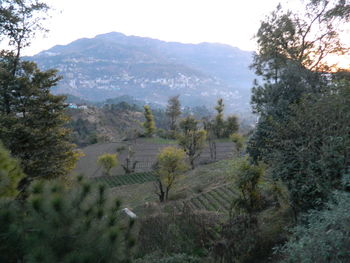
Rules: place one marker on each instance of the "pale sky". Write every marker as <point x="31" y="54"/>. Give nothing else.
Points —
<point x="232" y="22"/>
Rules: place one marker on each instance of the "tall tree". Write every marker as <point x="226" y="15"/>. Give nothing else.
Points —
<point x="173" y="111"/>
<point x="34" y="130"/>
<point x="192" y="139"/>
<point x="31" y="118"/>
<point x="291" y="59"/>
<point x="219" y="122"/>
<point x="149" y="124"/>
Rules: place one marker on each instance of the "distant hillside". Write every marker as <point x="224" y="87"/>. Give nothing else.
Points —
<point x="112" y="65"/>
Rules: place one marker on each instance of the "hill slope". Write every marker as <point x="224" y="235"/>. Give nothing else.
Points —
<point x="113" y="64"/>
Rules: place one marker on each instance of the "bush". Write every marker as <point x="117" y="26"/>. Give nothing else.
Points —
<point x="107" y="161"/>
<point x="325" y="237"/>
<point x="187" y="232"/>
<point x="59" y="225"/>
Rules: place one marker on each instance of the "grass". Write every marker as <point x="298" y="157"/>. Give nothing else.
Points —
<point x="204" y="188"/>
<point x="127" y="179"/>
<point x="159" y="141"/>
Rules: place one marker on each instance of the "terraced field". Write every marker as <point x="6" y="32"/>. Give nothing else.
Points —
<point x="216" y="200"/>
<point x="115" y="181"/>
<point x="146" y="151"/>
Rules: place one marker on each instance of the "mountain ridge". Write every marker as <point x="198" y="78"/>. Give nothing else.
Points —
<point x="113" y="64"/>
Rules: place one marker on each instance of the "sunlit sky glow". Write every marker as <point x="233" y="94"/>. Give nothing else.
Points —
<point x="230" y="22"/>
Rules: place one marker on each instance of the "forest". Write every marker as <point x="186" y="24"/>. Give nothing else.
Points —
<point x="181" y="184"/>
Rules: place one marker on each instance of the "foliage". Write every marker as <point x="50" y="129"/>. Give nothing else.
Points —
<point x="32" y="121"/>
<point x="107" y="161"/>
<point x="312" y="150"/>
<point x="56" y="224"/>
<point x="302" y="146"/>
<point x="10" y="174"/>
<point x="192" y="139"/>
<point x="219" y="122"/>
<point x="173" y="258"/>
<point x="238" y="140"/>
<point x="247" y="179"/>
<point x="149" y="124"/>
<point x="211" y="137"/>
<point x="173" y="111"/>
<point x="231" y="126"/>
<point x="130" y="163"/>
<point x="20" y="21"/>
<point x="170" y="164"/>
<point x="325" y="237"/>
<point x="186" y="232"/>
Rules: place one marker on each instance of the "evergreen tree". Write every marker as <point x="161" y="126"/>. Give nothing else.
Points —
<point x="149" y="124"/>
<point x="56" y="224"/>
<point x="219" y="119"/>
<point x="10" y="174"/>
<point x="31" y="118"/>
<point x="32" y="122"/>
<point x="231" y="126"/>
<point x="192" y="139"/>
<point x="173" y="111"/>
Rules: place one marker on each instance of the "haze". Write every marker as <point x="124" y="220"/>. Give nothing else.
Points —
<point x="188" y="21"/>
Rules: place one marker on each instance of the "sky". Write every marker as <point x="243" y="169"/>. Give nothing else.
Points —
<point x="232" y="22"/>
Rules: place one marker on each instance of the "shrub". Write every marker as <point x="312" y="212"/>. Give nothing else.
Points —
<point x="56" y="224"/>
<point x="325" y="237"/>
<point x="107" y="161"/>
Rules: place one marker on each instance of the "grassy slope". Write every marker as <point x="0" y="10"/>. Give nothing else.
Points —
<point x="200" y="183"/>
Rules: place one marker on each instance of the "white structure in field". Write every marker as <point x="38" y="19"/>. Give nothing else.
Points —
<point x="129" y="212"/>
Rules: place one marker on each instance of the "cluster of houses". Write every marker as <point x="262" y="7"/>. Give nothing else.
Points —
<point x="75" y="106"/>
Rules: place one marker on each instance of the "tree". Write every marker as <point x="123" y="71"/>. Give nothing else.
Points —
<point x="32" y="122"/>
<point x="298" y="102"/>
<point x="60" y="224"/>
<point x="149" y="124"/>
<point x="231" y="126"/>
<point x="10" y="174"/>
<point x="219" y="122"/>
<point x="238" y="140"/>
<point x="107" y="161"/>
<point x="130" y="163"/>
<point x="31" y="118"/>
<point x="170" y="164"/>
<point x="292" y="50"/>
<point x="192" y="139"/>
<point x="173" y="111"/>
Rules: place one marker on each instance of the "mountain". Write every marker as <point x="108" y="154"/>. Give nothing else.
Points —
<point x="113" y="64"/>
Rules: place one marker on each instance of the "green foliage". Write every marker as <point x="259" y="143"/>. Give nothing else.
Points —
<point x="56" y="224"/>
<point x="296" y="133"/>
<point x="219" y="122"/>
<point x="247" y="179"/>
<point x="170" y="164"/>
<point x="173" y="111"/>
<point x="192" y="139"/>
<point x="310" y="152"/>
<point x="187" y="232"/>
<point x="238" y="140"/>
<point x="107" y="161"/>
<point x="32" y="121"/>
<point x="149" y="124"/>
<point x="20" y="21"/>
<point x="10" y="174"/>
<point x="231" y="126"/>
<point x="325" y="237"/>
